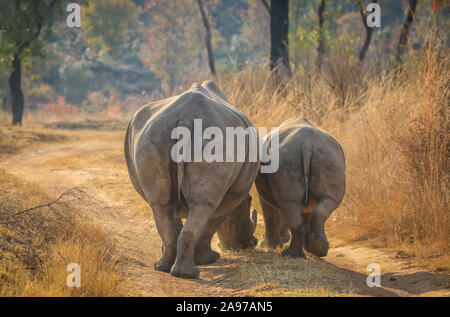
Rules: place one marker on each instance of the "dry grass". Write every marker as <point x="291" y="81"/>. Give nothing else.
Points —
<point x="263" y="273"/>
<point x="395" y="135"/>
<point x="15" y="139"/>
<point x="90" y="124"/>
<point x="36" y="246"/>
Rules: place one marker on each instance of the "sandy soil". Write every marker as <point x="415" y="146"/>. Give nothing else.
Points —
<point x="97" y="166"/>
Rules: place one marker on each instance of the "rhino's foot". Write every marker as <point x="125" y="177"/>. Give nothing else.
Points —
<point x="184" y="271"/>
<point x="285" y="237"/>
<point x="293" y="253"/>
<point x="270" y="244"/>
<point x="163" y="266"/>
<point x="317" y="244"/>
<point x="206" y="257"/>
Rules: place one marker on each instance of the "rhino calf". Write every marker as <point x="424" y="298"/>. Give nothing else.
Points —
<point x="308" y="186"/>
<point x="206" y="193"/>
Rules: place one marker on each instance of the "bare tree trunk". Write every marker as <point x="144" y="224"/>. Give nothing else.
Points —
<point x="212" y="66"/>
<point x="412" y="4"/>
<point x="369" y="31"/>
<point x="16" y="91"/>
<point x="279" y="43"/>
<point x="321" y="47"/>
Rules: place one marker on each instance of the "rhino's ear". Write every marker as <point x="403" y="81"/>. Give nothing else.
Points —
<point x="254" y="217"/>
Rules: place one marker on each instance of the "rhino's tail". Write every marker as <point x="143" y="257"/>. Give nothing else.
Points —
<point x="180" y="175"/>
<point x="306" y="153"/>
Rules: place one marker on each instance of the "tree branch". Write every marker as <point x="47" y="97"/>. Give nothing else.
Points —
<point x="207" y="38"/>
<point x="369" y="30"/>
<point x="266" y="5"/>
<point x="321" y="46"/>
<point x="412" y="4"/>
<point x="120" y="69"/>
<point x="40" y="25"/>
<point x="69" y="192"/>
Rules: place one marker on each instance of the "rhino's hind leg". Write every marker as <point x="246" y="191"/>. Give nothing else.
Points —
<point x="203" y="252"/>
<point x="316" y="241"/>
<point x="179" y="227"/>
<point x="297" y="228"/>
<point x="168" y="231"/>
<point x="276" y="232"/>
<point x="192" y="230"/>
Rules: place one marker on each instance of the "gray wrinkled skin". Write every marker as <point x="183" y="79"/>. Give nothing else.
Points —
<point x="210" y="193"/>
<point x="301" y="195"/>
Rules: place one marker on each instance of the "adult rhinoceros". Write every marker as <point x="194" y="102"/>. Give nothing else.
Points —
<point x="308" y="186"/>
<point x="204" y="192"/>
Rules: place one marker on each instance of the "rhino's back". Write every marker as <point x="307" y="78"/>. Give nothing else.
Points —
<point x="293" y="133"/>
<point x="196" y="103"/>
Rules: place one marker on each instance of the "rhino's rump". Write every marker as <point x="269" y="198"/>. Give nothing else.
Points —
<point x="326" y="166"/>
<point x="221" y="184"/>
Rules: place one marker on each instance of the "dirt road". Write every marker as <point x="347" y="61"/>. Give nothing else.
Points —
<point x="97" y="166"/>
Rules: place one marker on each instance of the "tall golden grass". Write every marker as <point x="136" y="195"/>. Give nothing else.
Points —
<point x="394" y="128"/>
<point x="36" y="245"/>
